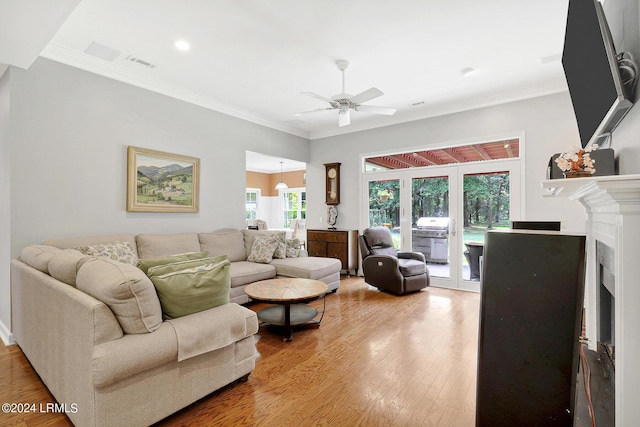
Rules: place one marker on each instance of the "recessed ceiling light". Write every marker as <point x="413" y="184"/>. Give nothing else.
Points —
<point x="466" y="71"/>
<point x="182" y="45"/>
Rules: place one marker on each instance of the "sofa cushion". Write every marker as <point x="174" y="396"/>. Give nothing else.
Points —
<point x="123" y="358"/>
<point x="244" y="272"/>
<point x="250" y="235"/>
<point x="384" y="250"/>
<point x="193" y="289"/>
<point x="126" y="290"/>
<point x="306" y="267"/>
<point x="159" y="270"/>
<point x="146" y="264"/>
<point x="281" y="248"/>
<point x="65" y="264"/>
<point x="263" y="248"/>
<point x="229" y="242"/>
<point x="231" y="324"/>
<point x="160" y="245"/>
<point x="116" y="251"/>
<point x="411" y="267"/>
<point x="38" y="256"/>
<point x="293" y="248"/>
<point x="74" y="242"/>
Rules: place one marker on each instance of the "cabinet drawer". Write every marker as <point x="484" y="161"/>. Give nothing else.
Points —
<point x="327" y="236"/>
<point x="338" y="251"/>
<point x="317" y="248"/>
<point x="336" y="237"/>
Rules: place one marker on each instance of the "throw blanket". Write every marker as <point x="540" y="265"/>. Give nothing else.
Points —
<point x="209" y="330"/>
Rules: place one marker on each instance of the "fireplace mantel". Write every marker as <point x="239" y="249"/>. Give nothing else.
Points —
<point x="612" y="204"/>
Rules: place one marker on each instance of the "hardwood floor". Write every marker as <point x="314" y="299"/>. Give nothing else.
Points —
<point x="376" y="360"/>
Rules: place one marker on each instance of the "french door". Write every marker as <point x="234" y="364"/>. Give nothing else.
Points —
<point x="443" y="212"/>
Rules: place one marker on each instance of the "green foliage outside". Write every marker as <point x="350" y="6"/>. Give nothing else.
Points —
<point x="485" y="202"/>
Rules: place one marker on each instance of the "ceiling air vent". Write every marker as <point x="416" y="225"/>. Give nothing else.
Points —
<point x="103" y="52"/>
<point x="140" y="61"/>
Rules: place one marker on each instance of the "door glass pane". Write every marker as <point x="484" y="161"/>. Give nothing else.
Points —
<point x="430" y="222"/>
<point x="384" y="206"/>
<point x="486" y="201"/>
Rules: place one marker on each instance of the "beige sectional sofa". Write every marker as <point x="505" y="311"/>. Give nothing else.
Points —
<point x="111" y="358"/>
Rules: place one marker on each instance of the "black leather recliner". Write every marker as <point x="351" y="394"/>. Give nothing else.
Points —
<point x="386" y="268"/>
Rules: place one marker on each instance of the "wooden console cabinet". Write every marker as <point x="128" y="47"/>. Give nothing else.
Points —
<point x="339" y="244"/>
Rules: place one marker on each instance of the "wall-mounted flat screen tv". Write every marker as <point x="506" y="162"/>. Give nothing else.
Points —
<point x="592" y="72"/>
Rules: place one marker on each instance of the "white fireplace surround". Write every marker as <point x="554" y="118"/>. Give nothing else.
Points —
<point x="612" y="205"/>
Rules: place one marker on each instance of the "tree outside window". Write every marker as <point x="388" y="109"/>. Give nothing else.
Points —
<point x="251" y="203"/>
<point x="294" y="205"/>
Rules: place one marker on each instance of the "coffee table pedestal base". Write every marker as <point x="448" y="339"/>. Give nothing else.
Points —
<point x="287" y="316"/>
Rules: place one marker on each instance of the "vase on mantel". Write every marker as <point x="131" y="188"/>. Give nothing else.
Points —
<point x="577" y="174"/>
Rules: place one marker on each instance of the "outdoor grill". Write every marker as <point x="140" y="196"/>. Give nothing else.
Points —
<point x="430" y="238"/>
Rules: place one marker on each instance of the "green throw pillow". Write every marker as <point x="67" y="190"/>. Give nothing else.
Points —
<point x="194" y="289"/>
<point x="146" y="264"/>
<point x="159" y="270"/>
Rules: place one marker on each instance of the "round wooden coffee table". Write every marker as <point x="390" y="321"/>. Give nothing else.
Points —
<point x="289" y="296"/>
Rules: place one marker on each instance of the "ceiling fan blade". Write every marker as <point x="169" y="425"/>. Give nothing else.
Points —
<point x="344" y="119"/>
<point x="313" y="111"/>
<point x="315" y="95"/>
<point x="376" y="110"/>
<point x="365" y="96"/>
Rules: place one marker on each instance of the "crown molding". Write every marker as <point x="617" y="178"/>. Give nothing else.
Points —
<point x="456" y="106"/>
<point x="117" y="72"/>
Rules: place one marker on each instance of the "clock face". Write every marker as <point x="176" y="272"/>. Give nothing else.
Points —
<point x="331" y="173"/>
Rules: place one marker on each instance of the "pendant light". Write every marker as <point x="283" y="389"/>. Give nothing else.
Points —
<point x="281" y="185"/>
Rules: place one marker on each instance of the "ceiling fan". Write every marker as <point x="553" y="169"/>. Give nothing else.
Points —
<point x="345" y="102"/>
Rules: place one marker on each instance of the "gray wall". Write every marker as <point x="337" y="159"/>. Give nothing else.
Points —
<point x="67" y="152"/>
<point x="547" y="122"/>
<point x="71" y="130"/>
<point x="623" y="17"/>
<point x="5" y="208"/>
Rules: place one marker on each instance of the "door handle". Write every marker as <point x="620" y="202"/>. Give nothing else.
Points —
<point x="453" y="228"/>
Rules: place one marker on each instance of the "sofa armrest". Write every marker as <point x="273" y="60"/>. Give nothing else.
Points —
<point x="412" y="255"/>
<point x="57" y="327"/>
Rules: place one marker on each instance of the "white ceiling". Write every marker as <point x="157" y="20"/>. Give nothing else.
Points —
<point x="258" y="162"/>
<point x="253" y="58"/>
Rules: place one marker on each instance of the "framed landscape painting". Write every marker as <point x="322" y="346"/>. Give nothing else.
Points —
<point x="161" y="182"/>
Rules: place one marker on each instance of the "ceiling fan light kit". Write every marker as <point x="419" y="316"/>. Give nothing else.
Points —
<point x="344" y="102"/>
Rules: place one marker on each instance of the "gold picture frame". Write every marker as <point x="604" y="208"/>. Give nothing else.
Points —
<point x="161" y="182"/>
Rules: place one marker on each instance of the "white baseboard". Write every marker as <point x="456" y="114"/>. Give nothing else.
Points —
<point x="6" y="335"/>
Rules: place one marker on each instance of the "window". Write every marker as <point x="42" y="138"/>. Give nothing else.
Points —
<point x="294" y="205"/>
<point x="251" y="203"/>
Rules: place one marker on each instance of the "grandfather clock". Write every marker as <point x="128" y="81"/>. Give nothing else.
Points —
<point x="332" y="176"/>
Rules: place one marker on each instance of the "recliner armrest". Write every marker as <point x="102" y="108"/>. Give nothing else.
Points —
<point x="412" y="255"/>
<point x="382" y="270"/>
